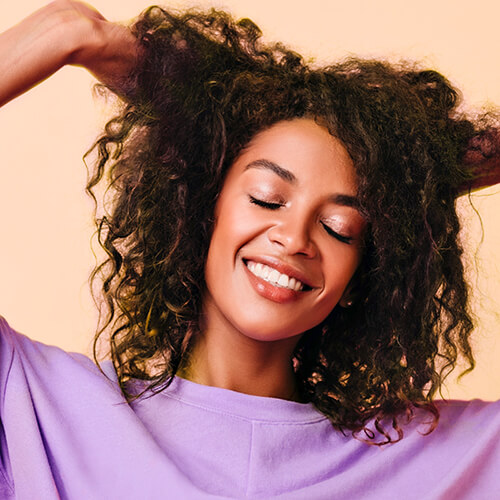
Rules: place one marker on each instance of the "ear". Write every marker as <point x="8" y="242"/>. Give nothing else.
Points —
<point x="346" y="300"/>
<point x="350" y="293"/>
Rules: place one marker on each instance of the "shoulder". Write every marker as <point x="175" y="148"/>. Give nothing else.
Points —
<point x="469" y="417"/>
<point x="454" y="410"/>
<point x="36" y="362"/>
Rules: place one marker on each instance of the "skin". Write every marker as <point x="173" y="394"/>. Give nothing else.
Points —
<point x="65" y="32"/>
<point x="248" y="338"/>
<point x="250" y="328"/>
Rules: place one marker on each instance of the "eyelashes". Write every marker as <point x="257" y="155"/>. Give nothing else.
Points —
<point x="276" y="205"/>
<point x="265" y="204"/>
<point x="340" y="237"/>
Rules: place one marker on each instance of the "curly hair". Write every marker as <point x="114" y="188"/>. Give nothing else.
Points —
<point x="205" y="86"/>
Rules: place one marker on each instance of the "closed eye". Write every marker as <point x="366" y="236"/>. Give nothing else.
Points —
<point x="265" y="204"/>
<point x="340" y="237"/>
<point x="274" y="206"/>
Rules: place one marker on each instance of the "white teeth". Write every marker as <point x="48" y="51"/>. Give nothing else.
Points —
<point x="274" y="276"/>
<point x="283" y="281"/>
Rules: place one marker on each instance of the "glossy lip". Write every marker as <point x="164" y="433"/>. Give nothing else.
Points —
<point x="280" y="267"/>
<point x="272" y="292"/>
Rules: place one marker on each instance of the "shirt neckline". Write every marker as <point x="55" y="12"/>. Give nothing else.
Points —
<point x="241" y="405"/>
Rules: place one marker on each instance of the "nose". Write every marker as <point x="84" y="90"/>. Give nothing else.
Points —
<point x="293" y="235"/>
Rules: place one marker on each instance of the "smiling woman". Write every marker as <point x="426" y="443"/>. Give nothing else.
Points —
<point x="283" y="284"/>
<point x="269" y="272"/>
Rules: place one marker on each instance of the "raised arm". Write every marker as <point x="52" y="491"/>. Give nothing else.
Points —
<point x="482" y="161"/>
<point x="65" y="32"/>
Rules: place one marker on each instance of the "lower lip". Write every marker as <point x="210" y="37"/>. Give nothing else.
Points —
<point x="271" y="292"/>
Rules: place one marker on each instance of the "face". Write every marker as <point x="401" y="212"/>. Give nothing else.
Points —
<point x="287" y="237"/>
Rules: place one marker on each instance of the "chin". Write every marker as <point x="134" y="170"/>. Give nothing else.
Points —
<point x="266" y="331"/>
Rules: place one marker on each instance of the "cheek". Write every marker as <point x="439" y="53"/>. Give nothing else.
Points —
<point x="235" y="225"/>
<point x="339" y="271"/>
<point x="229" y="234"/>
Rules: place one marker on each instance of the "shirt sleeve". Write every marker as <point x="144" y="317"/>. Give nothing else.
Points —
<point x="47" y="403"/>
<point x="6" y="358"/>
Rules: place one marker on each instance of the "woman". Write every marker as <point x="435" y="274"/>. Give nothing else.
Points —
<point x="284" y="287"/>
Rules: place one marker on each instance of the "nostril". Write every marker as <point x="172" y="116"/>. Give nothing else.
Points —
<point x="293" y="238"/>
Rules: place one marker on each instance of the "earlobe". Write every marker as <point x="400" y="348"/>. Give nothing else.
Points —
<point x="347" y="297"/>
<point x="346" y="304"/>
<point x="351" y="291"/>
<point x="346" y="301"/>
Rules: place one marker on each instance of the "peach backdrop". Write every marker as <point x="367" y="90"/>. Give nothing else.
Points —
<point x="45" y="250"/>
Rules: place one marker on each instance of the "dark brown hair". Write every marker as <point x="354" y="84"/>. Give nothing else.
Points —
<point x="205" y="86"/>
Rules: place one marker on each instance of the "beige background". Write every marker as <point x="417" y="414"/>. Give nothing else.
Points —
<point x="45" y="252"/>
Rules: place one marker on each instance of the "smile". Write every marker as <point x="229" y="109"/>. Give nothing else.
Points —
<point x="274" y="277"/>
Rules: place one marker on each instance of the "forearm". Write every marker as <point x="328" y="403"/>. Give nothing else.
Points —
<point x="65" y="32"/>
<point x="33" y="50"/>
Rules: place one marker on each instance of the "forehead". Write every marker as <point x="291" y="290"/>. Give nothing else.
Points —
<point x="305" y="149"/>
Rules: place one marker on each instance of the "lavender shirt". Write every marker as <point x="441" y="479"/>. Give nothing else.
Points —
<point x="67" y="432"/>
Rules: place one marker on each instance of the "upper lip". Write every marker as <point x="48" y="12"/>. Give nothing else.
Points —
<point x="282" y="267"/>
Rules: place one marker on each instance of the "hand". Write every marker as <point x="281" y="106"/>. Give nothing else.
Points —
<point x="108" y="50"/>
<point x="482" y="162"/>
<point x="65" y="32"/>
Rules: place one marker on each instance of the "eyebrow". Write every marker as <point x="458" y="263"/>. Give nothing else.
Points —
<point x="339" y="199"/>
<point x="274" y="167"/>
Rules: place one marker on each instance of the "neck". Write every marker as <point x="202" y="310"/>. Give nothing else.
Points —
<point x="223" y="357"/>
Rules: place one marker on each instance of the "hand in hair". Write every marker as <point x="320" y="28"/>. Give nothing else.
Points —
<point x="65" y="32"/>
<point x="482" y="161"/>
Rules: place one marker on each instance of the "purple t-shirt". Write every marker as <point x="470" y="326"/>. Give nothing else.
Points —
<point x="67" y="432"/>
